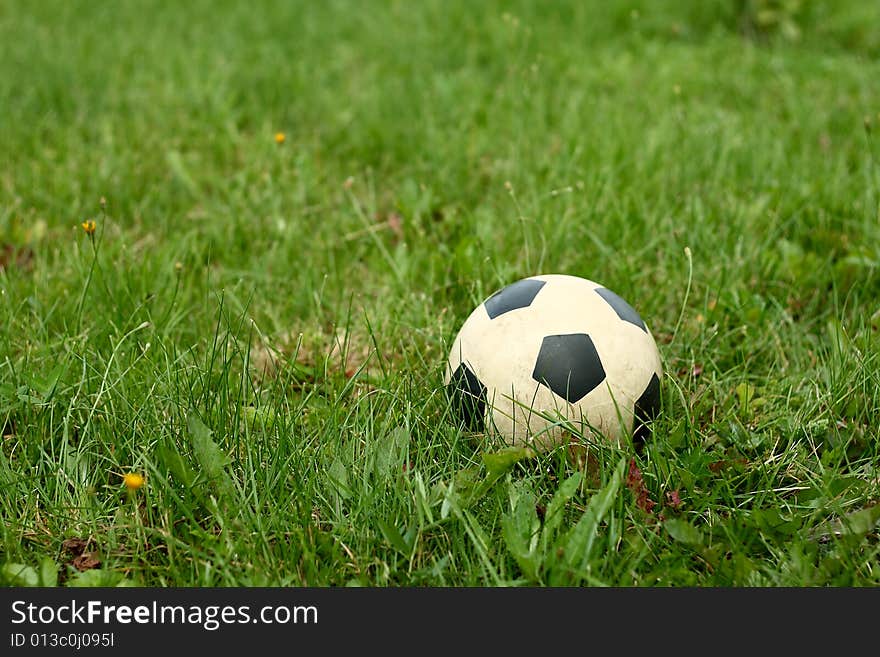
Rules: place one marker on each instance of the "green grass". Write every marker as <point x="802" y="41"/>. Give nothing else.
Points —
<point x="260" y="328"/>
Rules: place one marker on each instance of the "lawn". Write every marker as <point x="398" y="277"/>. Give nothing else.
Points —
<point x="296" y="205"/>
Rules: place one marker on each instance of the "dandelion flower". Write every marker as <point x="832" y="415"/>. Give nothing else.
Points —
<point x="133" y="481"/>
<point x="280" y="137"/>
<point x="89" y="226"/>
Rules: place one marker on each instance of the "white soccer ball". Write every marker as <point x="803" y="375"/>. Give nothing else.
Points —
<point x="551" y="356"/>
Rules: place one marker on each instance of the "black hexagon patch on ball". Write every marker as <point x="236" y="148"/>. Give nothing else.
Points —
<point x="516" y="295"/>
<point x="569" y="365"/>
<point x="467" y="395"/>
<point x="646" y="408"/>
<point x="625" y="311"/>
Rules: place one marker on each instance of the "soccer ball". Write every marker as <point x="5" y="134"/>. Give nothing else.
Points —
<point x="553" y="356"/>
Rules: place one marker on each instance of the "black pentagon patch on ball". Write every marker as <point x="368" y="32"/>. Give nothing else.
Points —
<point x="516" y="295"/>
<point x="646" y="408"/>
<point x="625" y="311"/>
<point x="468" y="398"/>
<point x="569" y="365"/>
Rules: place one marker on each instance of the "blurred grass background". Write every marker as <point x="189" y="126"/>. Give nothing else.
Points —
<point x="432" y="153"/>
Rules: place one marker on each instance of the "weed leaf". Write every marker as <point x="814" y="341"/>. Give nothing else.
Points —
<point x="858" y="523"/>
<point x="500" y="462"/>
<point x="168" y="455"/>
<point x="394" y="537"/>
<point x="98" y="578"/>
<point x="18" y="574"/>
<point x="339" y="478"/>
<point x="390" y="452"/>
<point x="208" y="454"/>
<point x="579" y="541"/>
<point x="555" y="510"/>
<point x="520" y="529"/>
<point x="48" y="572"/>
<point x="683" y="532"/>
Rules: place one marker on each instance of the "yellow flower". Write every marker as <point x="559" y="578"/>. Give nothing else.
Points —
<point x="280" y="137"/>
<point x="133" y="481"/>
<point x="89" y="226"/>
